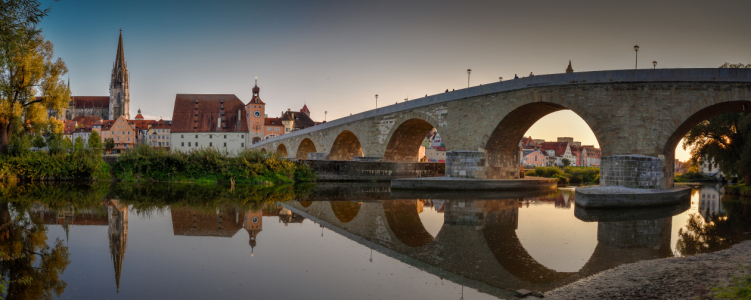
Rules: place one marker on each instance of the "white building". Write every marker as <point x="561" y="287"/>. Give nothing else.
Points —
<point x="83" y="133"/>
<point x="208" y="121"/>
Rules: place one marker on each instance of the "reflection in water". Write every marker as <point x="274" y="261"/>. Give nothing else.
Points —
<point x="31" y="267"/>
<point x="489" y="245"/>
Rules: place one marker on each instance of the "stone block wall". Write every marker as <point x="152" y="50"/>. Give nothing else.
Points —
<point x="465" y="164"/>
<point x="318" y="156"/>
<point x="367" y="158"/>
<point x="329" y="170"/>
<point x="634" y="171"/>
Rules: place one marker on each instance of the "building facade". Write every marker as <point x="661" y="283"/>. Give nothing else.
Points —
<point x="120" y="131"/>
<point x="208" y="121"/>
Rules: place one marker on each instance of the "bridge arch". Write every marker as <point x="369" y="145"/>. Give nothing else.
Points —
<point x="263" y="150"/>
<point x="306" y="146"/>
<point x="282" y="150"/>
<point x="345" y="211"/>
<point x="406" y="135"/>
<point x="502" y="147"/>
<point x="403" y="220"/>
<point x="700" y="114"/>
<point x="346" y="146"/>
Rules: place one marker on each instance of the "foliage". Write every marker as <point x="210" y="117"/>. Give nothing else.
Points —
<point x="566" y="162"/>
<point x="95" y="141"/>
<point x="28" y="69"/>
<point x="38" y="141"/>
<point x="692" y="175"/>
<point x="722" y="140"/>
<point x="734" y="66"/>
<point x="78" y="146"/>
<point x="738" y="190"/>
<point x="739" y="288"/>
<point x="208" y="165"/>
<point x="58" y="144"/>
<point x="719" y="232"/>
<point x="34" y="166"/>
<point x="19" y="145"/>
<point x="575" y="175"/>
<point x="109" y="144"/>
<point x="425" y="143"/>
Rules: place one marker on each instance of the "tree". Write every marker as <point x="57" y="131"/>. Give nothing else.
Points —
<point x="734" y="66"/>
<point x="27" y="69"/>
<point x="109" y="144"/>
<point x="78" y="146"/>
<point x="38" y="141"/>
<point x="566" y="162"/>
<point x="95" y="141"/>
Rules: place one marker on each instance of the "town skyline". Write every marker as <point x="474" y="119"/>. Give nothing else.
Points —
<point x="304" y="55"/>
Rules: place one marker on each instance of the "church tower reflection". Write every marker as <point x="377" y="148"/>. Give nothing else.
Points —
<point x="117" y="216"/>
<point x="253" y="224"/>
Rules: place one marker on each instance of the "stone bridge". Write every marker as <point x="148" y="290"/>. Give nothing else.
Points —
<point x="477" y="245"/>
<point x="637" y="116"/>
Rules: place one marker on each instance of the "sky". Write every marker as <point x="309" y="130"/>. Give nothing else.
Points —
<point x="335" y="56"/>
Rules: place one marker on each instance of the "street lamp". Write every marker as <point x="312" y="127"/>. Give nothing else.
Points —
<point x="500" y="78"/>
<point x="636" y="49"/>
<point x="325" y="112"/>
<point x="468" y="71"/>
<point x="376" y="101"/>
<point x="654" y="64"/>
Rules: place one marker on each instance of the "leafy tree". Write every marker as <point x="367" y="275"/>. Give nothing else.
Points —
<point x="732" y="66"/>
<point x="78" y="146"/>
<point x="38" y="141"/>
<point x="566" y="162"/>
<point x="425" y="143"/>
<point x="27" y="69"/>
<point x="109" y="144"/>
<point x="95" y="141"/>
<point x="57" y="143"/>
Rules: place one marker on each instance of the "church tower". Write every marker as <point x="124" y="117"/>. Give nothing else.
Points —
<point x="119" y="85"/>
<point x="256" y="116"/>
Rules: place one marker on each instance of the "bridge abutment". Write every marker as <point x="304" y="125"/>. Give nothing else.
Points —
<point x="634" y="171"/>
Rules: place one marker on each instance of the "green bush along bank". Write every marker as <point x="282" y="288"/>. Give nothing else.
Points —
<point x="208" y="166"/>
<point x="43" y="166"/>
<point x="575" y="175"/>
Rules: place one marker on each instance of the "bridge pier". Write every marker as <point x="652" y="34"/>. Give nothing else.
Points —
<point x="318" y="156"/>
<point x="465" y="164"/>
<point x="367" y="158"/>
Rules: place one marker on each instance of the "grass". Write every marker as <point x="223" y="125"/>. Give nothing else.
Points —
<point x="739" y="288"/>
<point x="692" y="176"/>
<point x="576" y="175"/>
<point x="209" y="166"/>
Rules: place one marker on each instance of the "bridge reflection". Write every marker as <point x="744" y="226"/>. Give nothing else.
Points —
<point x="478" y="246"/>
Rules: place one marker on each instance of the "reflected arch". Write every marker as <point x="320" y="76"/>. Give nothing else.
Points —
<point x="502" y="148"/>
<point x="306" y="146"/>
<point x="404" y="221"/>
<point x="305" y="204"/>
<point x="263" y="150"/>
<point x="345" y="211"/>
<point x="346" y="147"/>
<point x="282" y="150"/>
<point x="404" y="141"/>
<point x="689" y="123"/>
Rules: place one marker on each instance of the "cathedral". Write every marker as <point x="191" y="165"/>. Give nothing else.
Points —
<point x="106" y="107"/>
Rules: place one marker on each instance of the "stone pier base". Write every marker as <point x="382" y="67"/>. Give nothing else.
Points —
<point x="618" y="196"/>
<point x="465" y="164"/>
<point x="634" y="171"/>
<point x="368" y="158"/>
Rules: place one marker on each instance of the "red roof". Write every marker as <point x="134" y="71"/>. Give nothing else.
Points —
<point x="440" y="148"/>
<point x="83" y="129"/>
<point x="272" y="122"/>
<point x="69" y="126"/>
<point x="160" y="125"/>
<point x="107" y="124"/>
<point x="86" y="120"/>
<point x="558" y="147"/>
<point x="201" y="112"/>
<point x="139" y="116"/>
<point x="305" y="109"/>
<point x="141" y="124"/>
<point x="527" y="141"/>
<point x="91" y="101"/>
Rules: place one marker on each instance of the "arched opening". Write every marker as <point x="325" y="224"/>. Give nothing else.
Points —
<point x="345" y="211"/>
<point x="345" y="147"/>
<point x="306" y="203"/>
<point x="431" y="213"/>
<point x="306" y="146"/>
<point x="404" y="221"/>
<point x="263" y="150"/>
<point x="281" y="150"/>
<point x="256" y="140"/>
<point x="511" y="145"/>
<point x="406" y="140"/>
<point x="702" y="115"/>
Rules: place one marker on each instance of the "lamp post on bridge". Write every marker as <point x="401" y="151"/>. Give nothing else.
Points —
<point x="325" y="112"/>
<point x="468" y="72"/>
<point x="654" y="65"/>
<point x="376" y="101"/>
<point x="500" y="79"/>
<point x="636" y="63"/>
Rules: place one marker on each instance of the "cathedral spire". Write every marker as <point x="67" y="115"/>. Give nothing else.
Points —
<point x="120" y="59"/>
<point x="569" y="69"/>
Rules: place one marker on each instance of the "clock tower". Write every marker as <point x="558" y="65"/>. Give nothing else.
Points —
<point x="255" y="112"/>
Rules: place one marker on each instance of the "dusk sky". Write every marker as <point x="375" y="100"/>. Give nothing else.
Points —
<point x="335" y="56"/>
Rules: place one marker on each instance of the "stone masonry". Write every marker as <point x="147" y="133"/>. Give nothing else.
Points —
<point x="631" y="112"/>
<point x="636" y="171"/>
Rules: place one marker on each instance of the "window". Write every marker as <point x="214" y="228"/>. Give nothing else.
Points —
<point x="182" y="136"/>
<point x="225" y="144"/>
<point x="196" y="144"/>
<point x="225" y="136"/>
<point x="286" y="129"/>
<point x="276" y="129"/>
<point x="209" y="136"/>
<point x="118" y="138"/>
<point x="188" y="144"/>
<point x="242" y="145"/>
<point x="242" y="136"/>
<point x="211" y="144"/>
<point x="167" y="143"/>
<point x="196" y="136"/>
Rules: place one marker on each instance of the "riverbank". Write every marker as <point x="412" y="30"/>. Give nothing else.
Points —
<point x="690" y="277"/>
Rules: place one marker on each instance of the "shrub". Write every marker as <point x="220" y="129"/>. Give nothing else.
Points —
<point x="35" y="166"/>
<point x="208" y="165"/>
